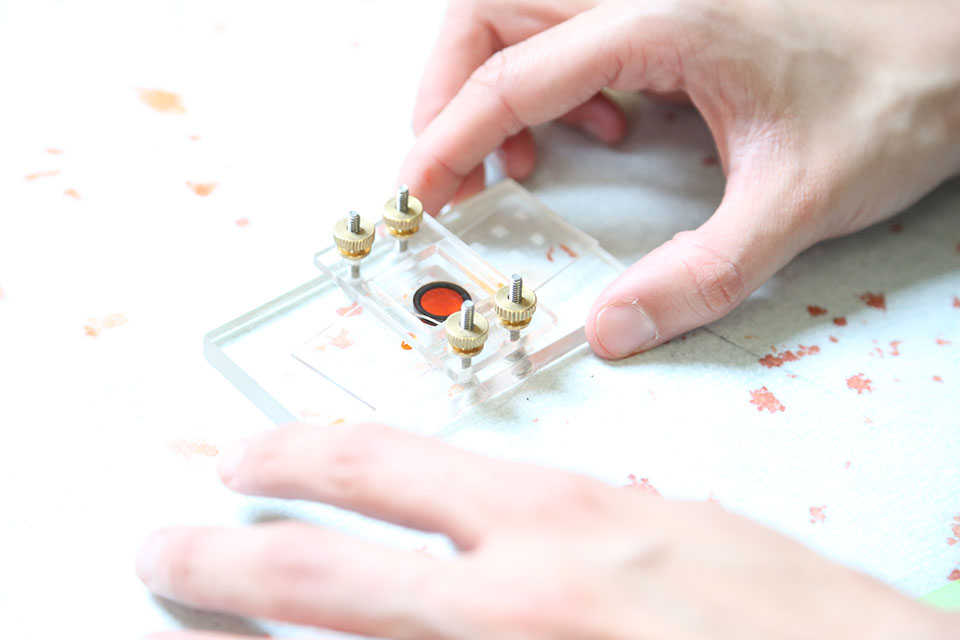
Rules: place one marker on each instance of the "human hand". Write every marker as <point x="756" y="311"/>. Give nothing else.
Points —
<point x="543" y="554"/>
<point x="828" y="117"/>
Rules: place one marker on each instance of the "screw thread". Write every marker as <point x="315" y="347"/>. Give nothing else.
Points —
<point x="516" y="289"/>
<point x="466" y="315"/>
<point x="354" y="225"/>
<point x="403" y="195"/>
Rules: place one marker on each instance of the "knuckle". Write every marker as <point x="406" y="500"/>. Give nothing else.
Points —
<point x="352" y="457"/>
<point x="182" y="556"/>
<point x="491" y="81"/>
<point x="268" y="465"/>
<point x="717" y="286"/>
<point x="288" y="567"/>
<point x="574" y="496"/>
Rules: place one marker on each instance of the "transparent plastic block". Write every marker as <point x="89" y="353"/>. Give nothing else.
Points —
<point x="339" y="348"/>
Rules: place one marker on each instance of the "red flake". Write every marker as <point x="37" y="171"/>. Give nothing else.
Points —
<point x="42" y="174"/>
<point x="846" y="465"/>
<point x="535" y="420"/>
<point x="405" y="346"/>
<point x="875" y="300"/>
<point x="937" y="379"/>
<point x="792" y="375"/>
<point x="72" y="193"/>
<point x="956" y="302"/>
<point x="954" y="575"/>
<point x="951" y="541"/>
<point x="943" y="341"/>
<point x="896" y="227"/>
<point x="162" y="101"/>
<point x="814" y="310"/>
<point x="709" y="160"/>
<point x="188" y="449"/>
<point x="243" y="223"/>
<point x="550" y="254"/>
<point x="840" y="322"/>
<point x="817" y="515"/>
<point x="350" y="310"/>
<point x="642" y="486"/>
<point x="567" y="250"/>
<point x="772" y="360"/>
<point x="859" y="383"/>
<point x="955" y="526"/>
<point x="341" y="341"/>
<point x="202" y="189"/>
<point x="764" y="399"/>
<point x="894" y="345"/>
<point x="833" y="339"/>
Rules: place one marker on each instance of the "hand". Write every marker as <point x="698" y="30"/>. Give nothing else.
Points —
<point x="828" y="116"/>
<point x="544" y="554"/>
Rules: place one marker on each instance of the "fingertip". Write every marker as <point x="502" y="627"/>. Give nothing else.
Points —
<point x="519" y="153"/>
<point x="230" y="461"/>
<point x="149" y="555"/>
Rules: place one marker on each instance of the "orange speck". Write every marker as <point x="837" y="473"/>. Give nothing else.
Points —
<point x="350" y="310"/>
<point x="162" y="101"/>
<point x="95" y="326"/>
<point x="405" y="346"/>
<point x="570" y="252"/>
<point x="72" y="193"/>
<point x="341" y="341"/>
<point x="454" y="390"/>
<point x="859" y="383"/>
<point x="954" y="575"/>
<point x="894" y="345"/>
<point x="943" y="341"/>
<point x="412" y="334"/>
<point x="814" y="310"/>
<point x="535" y="420"/>
<point x="194" y="138"/>
<point x="188" y="449"/>
<point x="336" y="422"/>
<point x="817" y="515"/>
<point x="550" y="254"/>
<point x="875" y="300"/>
<point x="53" y="151"/>
<point x="749" y="337"/>
<point x="951" y="541"/>
<point x="772" y="360"/>
<point x="896" y="227"/>
<point x="642" y="485"/>
<point x="956" y="302"/>
<point x="937" y="379"/>
<point x="42" y="174"/>
<point x="202" y="189"/>
<point x="834" y="339"/>
<point x="243" y="223"/>
<point x="840" y="322"/>
<point x="764" y="399"/>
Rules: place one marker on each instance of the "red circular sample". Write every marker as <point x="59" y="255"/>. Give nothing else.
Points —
<point x="441" y="301"/>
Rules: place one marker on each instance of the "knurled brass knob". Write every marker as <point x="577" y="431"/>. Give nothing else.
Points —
<point x="466" y="332"/>
<point x="353" y="236"/>
<point x="402" y="214"/>
<point x="515" y="304"/>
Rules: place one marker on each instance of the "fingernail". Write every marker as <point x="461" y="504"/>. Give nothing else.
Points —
<point x="623" y="328"/>
<point x="146" y="561"/>
<point x="230" y="461"/>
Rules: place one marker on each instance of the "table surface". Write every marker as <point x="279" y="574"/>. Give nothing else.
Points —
<point x="165" y="167"/>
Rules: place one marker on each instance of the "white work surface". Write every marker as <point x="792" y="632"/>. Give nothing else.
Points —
<point x="112" y="268"/>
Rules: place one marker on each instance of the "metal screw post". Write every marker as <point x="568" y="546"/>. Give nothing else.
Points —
<point x="354" y="222"/>
<point x="403" y="194"/>
<point x="466" y="323"/>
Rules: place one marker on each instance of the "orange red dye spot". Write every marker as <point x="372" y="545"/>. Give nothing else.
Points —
<point x="772" y="360"/>
<point x="875" y="300"/>
<point x="162" y="101"/>
<point x="763" y="399"/>
<point x="895" y="347"/>
<point x="859" y="383"/>
<point x="202" y="189"/>
<point x="550" y="254"/>
<point x="943" y="341"/>
<point x="441" y="301"/>
<point x="72" y="193"/>
<point x="340" y="341"/>
<point x="194" y="138"/>
<point x="896" y="227"/>
<point x="188" y="449"/>
<point x="567" y="250"/>
<point x="641" y="486"/>
<point x="53" y="151"/>
<point x="94" y="327"/>
<point x="350" y="310"/>
<point x="840" y="322"/>
<point x="817" y="514"/>
<point x="815" y="311"/>
<point x="833" y="339"/>
<point x="937" y="379"/>
<point x="709" y="160"/>
<point x="42" y="174"/>
<point x="954" y="575"/>
<point x="405" y="346"/>
<point x="955" y="528"/>
<point x="956" y="302"/>
<point x="243" y="223"/>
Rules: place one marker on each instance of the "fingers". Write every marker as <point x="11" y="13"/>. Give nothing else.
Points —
<point x="380" y="472"/>
<point x="601" y="117"/>
<point x="196" y="635"/>
<point x="700" y="276"/>
<point x="297" y="573"/>
<point x="535" y="81"/>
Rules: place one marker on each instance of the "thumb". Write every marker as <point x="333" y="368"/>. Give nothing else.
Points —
<point x="702" y="275"/>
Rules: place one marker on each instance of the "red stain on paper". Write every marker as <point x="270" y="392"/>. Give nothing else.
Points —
<point x="895" y="347"/>
<point x="454" y="390"/>
<point x="405" y="346"/>
<point x="642" y="485"/>
<point x="341" y="341"/>
<point x="53" y="151"/>
<point x="875" y="300"/>
<point x="840" y="322"/>
<point x="955" y="528"/>
<point x="956" y="302"/>
<point x="846" y="465"/>
<point x="772" y="360"/>
<point x="943" y="341"/>
<point x="202" y="189"/>
<point x="833" y="339"/>
<point x="937" y="379"/>
<point x="817" y="515"/>
<point x="567" y="250"/>
<point x="162" y="101"/>
<point x="194" y="137"/>
<point x="550" y="254"/>
<point x="954" y="575"/>
<point x="859" y="383"/>
<point x="350" y="310"/>
<point x="95" y="326"/>
<point x="815" y="311"/>
<point x="42" y="174"/>
<point x="72" y="193"/>
<point x="709" y="160"/>
<point x="187" y="449"/>
<point x="243" y="223"/>
<point x="763" y="399"/>
<point x="535" y="420"/>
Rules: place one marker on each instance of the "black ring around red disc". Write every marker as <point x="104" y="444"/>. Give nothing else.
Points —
<point x="433" y="315"/>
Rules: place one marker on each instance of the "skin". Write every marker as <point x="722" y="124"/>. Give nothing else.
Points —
<point x="543" y="554"/>
<point x="828" y="115"/>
